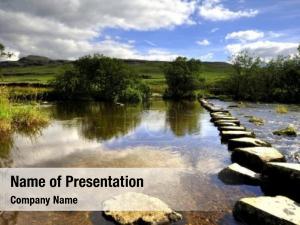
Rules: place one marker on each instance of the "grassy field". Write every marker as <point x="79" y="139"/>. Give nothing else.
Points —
<point x="152" y="73"/>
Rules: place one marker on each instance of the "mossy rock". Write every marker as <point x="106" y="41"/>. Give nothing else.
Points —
<point x="289" y="131"/>
<point x="257" y="121"/>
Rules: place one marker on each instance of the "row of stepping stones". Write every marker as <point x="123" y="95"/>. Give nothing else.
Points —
<point x="255" y="162"/>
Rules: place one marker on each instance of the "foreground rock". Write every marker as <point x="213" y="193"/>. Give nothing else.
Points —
<point x="233" y="128"/>
<point x="220" y="122"/>
<point x="235" y="134"/>
<point x="265" y="210"/>
<point x="256" y="157"/>
<point x="157" y="212"/>
<point x="289" y="131"/>
<point x="246" y="142"/>
<point x="236" y="174"/>
<point x="282" y="178"/>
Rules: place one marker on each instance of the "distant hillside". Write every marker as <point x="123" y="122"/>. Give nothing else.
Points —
<point x="33" y="60"/>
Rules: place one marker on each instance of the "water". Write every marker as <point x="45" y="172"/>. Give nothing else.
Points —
<point x="159" y="134"/>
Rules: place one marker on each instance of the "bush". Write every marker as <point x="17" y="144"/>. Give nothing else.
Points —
<point x="182" y="78"/>
<point x="100" y="78"/>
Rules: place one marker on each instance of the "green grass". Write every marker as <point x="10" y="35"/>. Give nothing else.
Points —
<point x="151" y="71"/>
<point x="19" y="117"/>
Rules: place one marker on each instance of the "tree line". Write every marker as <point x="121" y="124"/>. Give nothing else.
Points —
<point x="256" y="80"/>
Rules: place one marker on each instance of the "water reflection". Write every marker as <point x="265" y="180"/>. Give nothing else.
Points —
<point x="183" y="117"/>
<point x="100" y="121"/>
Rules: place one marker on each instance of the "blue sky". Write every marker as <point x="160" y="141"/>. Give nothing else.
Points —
<point x="210" y="30"/>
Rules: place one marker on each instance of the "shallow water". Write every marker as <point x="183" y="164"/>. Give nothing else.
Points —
<point x="273" y="121"/>
<point x="159" y="134"/>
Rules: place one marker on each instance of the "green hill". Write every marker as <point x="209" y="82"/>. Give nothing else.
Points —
<point x="38" y="69"/>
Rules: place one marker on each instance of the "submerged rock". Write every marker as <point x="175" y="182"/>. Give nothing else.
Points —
<point x="236" y="174"/>
<point x="256" y="157"/>
<point x="257" y="121"/>
<point x="246" y="142"/>
<point x="289" y="131"/>
<point x="220" y="122"/>
<point x="233" y="128"/>
<point x="265" y="210"/>
<point x="235" y="134"/>
<point x="156" y="211"/>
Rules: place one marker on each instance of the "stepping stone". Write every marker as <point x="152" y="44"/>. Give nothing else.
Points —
<point x="246" y="142"/>
<point x="213" y="114"/>
<point x="137" y="208"/>
<point x="222" y="118"/>
<point x="229" y="134"/>
<point x="256" y="157"/>
<point x="233" y="128"/>
<point x="227" y="124"/>
<point x="235" y="174"/>
<point x="220" y="122"/>
<point x="266" y="210"/>
<point x="282" y="178"/>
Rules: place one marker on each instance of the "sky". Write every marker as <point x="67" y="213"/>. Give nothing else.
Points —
<point x="210" y="30"/>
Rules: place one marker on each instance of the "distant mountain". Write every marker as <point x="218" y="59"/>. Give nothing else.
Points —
<point x="33" y="60"/>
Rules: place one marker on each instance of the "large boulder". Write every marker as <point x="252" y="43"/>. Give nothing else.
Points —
<point x="236" y="174"/>
<point x="229" y="134"/>
<point x="246" y="142"/>
<point x="155" y="211"/>
<point x="282" y="178"/>
<point x="256" y="157"/>
<point x="266" y="210"/>
<point x="220" y="122"/>
<point x="233" y="128"/>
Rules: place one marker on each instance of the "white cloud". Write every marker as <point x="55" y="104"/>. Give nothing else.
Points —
<point x="207" y="57"/>
<point x="265" y="49"/>
<point x="246" y="35"/>
<point x="204" y="42"/>
<point x="70" y="28"/>
<point x="215" y="11"/>
<point x="214" y="30"/>
<point x="150" y="43"/>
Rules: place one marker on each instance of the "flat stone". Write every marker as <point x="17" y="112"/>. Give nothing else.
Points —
<point x="256" y="157"/>
<point x="227" y="128"/>
<point x="246" y="142"/>
<point x="228" y="124"/>
<point x="236" y="174"/>
<point x="155" y="211"/>
<point x="229" y="134"/>
<point x="221" y="117"/>
<point x="266" y="210"/>
<point x="212" y="114"/>
<point x="220" y="122"/>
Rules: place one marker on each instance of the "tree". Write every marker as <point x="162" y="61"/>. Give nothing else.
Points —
<point x="182" y="76"/>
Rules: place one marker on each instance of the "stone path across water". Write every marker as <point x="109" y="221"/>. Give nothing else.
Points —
<point x="256" y="162"/>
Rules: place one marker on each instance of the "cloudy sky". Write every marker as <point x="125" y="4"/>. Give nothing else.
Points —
<point x="211" y="30"/>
